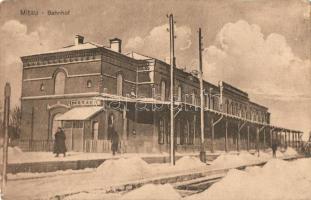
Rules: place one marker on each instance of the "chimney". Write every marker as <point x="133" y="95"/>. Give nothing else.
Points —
<point x="115" y="45"/>
<point x="79" y="39"/>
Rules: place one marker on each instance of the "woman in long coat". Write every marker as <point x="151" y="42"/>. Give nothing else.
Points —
<point x="59" y="143"/>
<point x="114" y="142"/>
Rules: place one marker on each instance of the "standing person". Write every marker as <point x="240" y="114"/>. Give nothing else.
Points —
<point x="59" y="143"/>
<point x="274" y="148"/>
<point x="114" y="142"/>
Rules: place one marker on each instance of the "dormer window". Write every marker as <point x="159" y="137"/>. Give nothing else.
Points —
<point x="89" y="84"/>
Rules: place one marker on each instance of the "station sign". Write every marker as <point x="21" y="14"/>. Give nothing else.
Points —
<point x="85" y="102"/>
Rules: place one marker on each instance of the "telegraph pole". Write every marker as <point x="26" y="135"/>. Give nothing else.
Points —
<point x="202" y="149"/>
<point x="172" y="63"/>
<point x="7" y="94"/>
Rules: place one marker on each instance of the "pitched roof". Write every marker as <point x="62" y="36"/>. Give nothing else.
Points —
<point x="80" y="113"/>
<point x="138" y="56"/>
<point x="87" y="45"/>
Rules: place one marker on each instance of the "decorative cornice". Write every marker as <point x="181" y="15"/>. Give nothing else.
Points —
<point x="61" y="63"/>
<point x="69" y="76"/>
<point x="57" y="105"/>
<point x="88" y="94"/>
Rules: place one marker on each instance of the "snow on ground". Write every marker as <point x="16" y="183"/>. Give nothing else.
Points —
<point x="94" y="195"/>
<point x="124" y="169"/>
<point x="17" y="156"/>
<point x="134" y="168"/>
<point x="152" y="192"/>
<point x="276" y="180"/>
<point x="12" y="152"/>
<point x="28" y="175"/>
<point x="229" y="160"/>
<point x="109" y="173"/>
<point x="189" y="162"/>
<point x="290" y="152"/>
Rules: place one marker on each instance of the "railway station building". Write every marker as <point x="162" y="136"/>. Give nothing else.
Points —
<point x="87" y="87"/>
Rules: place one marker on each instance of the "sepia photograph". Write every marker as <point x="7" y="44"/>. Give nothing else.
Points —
<point x="155" y="100"/>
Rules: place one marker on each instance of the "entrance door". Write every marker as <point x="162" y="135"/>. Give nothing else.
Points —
<point x="77" y="136"/>
<point x="95" y="130"/>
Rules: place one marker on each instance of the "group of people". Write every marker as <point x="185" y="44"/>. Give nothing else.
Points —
<point x="60" y="138"/>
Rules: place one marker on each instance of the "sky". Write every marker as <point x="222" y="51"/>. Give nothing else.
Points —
<point x="260" y="46"/>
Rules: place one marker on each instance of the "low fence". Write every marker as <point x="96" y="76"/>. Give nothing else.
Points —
<point x="33" y="145"/>
<point x="102" y="146"/>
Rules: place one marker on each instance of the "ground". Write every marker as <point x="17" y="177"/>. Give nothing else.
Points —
<point x="89" y="183"/>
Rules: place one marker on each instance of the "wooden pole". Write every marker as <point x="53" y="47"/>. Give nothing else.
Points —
<point x="247" y="138"/>
<point x="264" y="138"/>
<point x="7" y="95"/>
<point x="257" y="139"/>
<point x="213" y="129"/>
<point x="172" y="63"/>
<point x="285" y="139"/>
<point x="238" y="142"/>
<point x="202" y="149"/>
<point x="226" y="137"/>
<point x="271" y="137"/>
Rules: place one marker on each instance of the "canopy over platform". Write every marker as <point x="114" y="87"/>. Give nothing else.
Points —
<point x="79" y="113"/>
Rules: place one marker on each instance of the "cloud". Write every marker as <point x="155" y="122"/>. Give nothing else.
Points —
<point x="243" y="56"/>
<point x="17" y="41"/>
<point x="156" y="42"/>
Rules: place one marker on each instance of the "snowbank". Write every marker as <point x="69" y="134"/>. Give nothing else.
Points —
<point x="290" y="152"/>
<point x="189" y="162"/>
<point x="153" y="192"/>
<point x="228" y="160"/>
<point x="277" y="179"/>
<point x="124" y="169"/>
<point x="186" y="163"/>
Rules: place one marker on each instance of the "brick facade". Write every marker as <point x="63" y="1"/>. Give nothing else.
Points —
<point x="93" y="71"/>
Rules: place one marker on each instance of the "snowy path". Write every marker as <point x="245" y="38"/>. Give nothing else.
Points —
<point x="76" y="183"/>
<point x="123" y="170"/>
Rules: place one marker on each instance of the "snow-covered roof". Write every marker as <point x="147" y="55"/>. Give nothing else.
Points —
<point x="80" y="113"/>
<point x="84" y="46"/>
<point x="87" y="45"/>
<point x="138" y="56"/>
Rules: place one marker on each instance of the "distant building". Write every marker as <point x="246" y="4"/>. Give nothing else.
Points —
<point x="85" y="87"/>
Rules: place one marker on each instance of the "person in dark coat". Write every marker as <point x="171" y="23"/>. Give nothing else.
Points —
<point x="274" y="148"/>
<point x="59" y="143"/>
<point x="114" y="142"/>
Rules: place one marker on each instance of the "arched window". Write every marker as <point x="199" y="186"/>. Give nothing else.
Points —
<point x="119" y="84"/>
<point x="206" y="97"/>
<point x="59" y="87"/>
<point x="193" y="97"/>
<point x="232" y="108"/>
<point x="179" y="93"/>
<point x="89" y="84"/>
<point x="227" y="107"/>
<point x="163" y="89"/>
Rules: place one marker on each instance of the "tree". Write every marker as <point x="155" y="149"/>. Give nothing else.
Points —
<point x="15" y="123"/>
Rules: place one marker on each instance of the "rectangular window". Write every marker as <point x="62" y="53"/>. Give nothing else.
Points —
<point x="161" y="132"/>
<point x="77" y="124"/>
